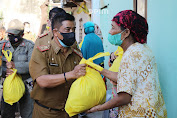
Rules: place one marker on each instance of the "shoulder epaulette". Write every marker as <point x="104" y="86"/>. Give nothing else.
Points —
<point x="2" y="41"/>
<point x="3" y="45"/>
<point x="42" y="35"/>
<point x="43" y="48"/>
<point x="77" y="52"/>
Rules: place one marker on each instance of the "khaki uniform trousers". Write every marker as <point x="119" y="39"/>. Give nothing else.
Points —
<point x="40" y="112"/>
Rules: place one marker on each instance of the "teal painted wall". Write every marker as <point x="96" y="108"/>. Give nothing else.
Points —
<point x="162" y="19"/>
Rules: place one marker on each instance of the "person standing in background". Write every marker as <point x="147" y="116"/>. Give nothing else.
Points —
<point x="46" y="19"/>
<point x="92" y="44"/>
<point x="97" y="32"/>
<point x="2" y="33"/>
<point x="21" y="54"/>
<point x="27" y="32"/>
<point x="48" y="34"/>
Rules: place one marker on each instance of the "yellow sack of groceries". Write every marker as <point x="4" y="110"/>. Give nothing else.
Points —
<point x="115" y="66"/>
<point x="87" y="91"/>
<point x="13" y="86"/>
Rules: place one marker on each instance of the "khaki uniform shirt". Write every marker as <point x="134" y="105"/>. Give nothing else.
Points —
<point x="47" y="58"/>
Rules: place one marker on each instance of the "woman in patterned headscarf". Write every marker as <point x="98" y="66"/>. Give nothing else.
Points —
<point x="98" y="31"/>
<point x="138" y="88"/>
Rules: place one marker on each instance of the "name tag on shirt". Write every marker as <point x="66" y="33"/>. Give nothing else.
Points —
<point x="53" y="64"/>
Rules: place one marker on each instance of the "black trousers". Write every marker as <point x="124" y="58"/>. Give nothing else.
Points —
<point x="25" y="105"/>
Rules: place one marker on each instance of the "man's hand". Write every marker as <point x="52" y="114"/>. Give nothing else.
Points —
<point x="94" y="109"/>
<point x="9" y="72"/>
<point x="79" y="70"/>
<point x="10" y="65"/>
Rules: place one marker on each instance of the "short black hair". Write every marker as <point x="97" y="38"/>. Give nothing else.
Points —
<point x="55" y="11"/>
<point x="26" y="23"/>
<point x="59" y="18"/>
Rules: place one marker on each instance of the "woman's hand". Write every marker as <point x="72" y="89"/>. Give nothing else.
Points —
<point x="112" y="57"/>
<point x="94" y="109"/>
<point x="109" y="74"/>
<point x="113" y="83"/>
<point x="109" y="63"/>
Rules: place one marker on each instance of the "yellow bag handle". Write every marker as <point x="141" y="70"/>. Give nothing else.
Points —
<point x="98" y="55"/>
<point x="8" y="57"/>
<point x="119" y="51"/>
<point x="90" y="61"/>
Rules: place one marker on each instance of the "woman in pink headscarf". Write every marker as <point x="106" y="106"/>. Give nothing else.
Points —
<point x="138" y="89"/>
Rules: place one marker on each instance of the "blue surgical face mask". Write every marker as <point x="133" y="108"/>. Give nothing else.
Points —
<point x="115" y="39"/>
<point x="62" y="43"/>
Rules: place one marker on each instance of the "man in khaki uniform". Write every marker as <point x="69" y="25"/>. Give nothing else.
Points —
<point x="27" y="32"/>
<point x="54" y="67"/>
<point x="48" y="32"/>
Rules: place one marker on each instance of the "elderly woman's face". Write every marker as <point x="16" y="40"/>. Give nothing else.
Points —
<point x="115" y="28"/>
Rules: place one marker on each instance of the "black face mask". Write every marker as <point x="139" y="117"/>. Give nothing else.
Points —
<point x="14" y="39"/>
<point x="68" y="38"/>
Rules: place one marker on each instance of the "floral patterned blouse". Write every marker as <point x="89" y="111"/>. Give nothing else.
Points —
<point x="138" y="76"/>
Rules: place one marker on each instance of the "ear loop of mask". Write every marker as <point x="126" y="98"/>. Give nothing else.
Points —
<point x="61" y="41"/>
<point x="121" y="34"/>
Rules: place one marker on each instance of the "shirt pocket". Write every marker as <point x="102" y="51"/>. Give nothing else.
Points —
<point x="54" y="68"/>
<point x="22" y="58"/>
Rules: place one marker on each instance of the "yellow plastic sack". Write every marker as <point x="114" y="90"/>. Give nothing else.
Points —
<point x="116" y="64"/>
<point x="80" y="45"/>
<point x="87" y="91"/>
<point x="13" y="86"/>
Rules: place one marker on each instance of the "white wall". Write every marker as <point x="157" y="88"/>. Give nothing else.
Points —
<point x="25" y="11"/>
<point x="85" y="17"/>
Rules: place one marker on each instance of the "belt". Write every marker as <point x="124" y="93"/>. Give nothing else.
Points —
<point x="48" y="107"/>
